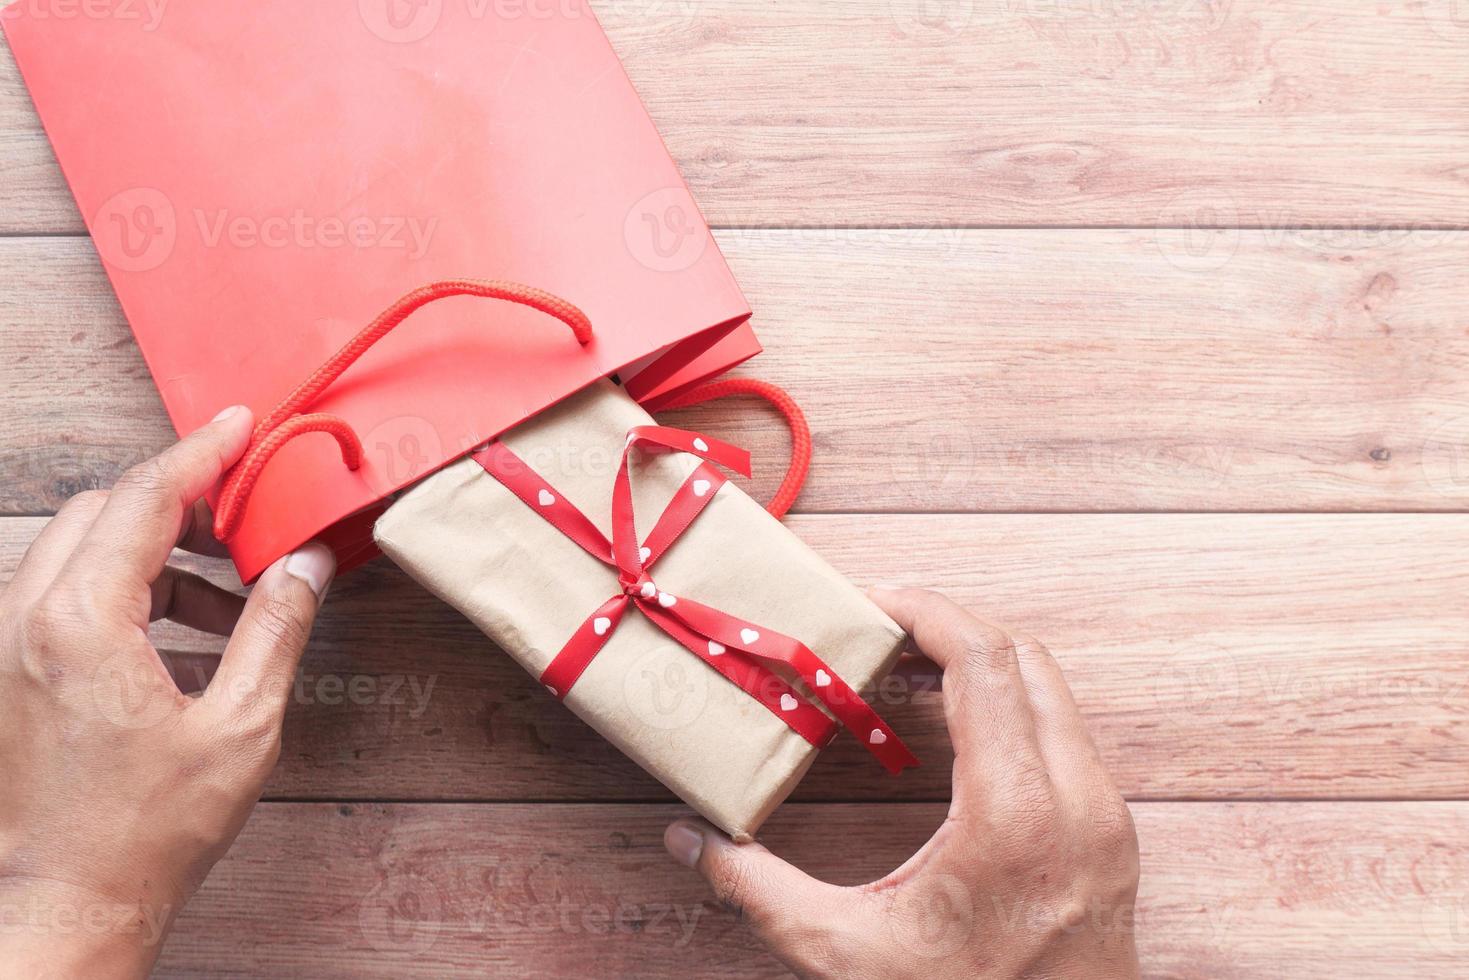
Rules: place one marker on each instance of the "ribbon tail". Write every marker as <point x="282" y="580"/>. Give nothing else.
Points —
<point x="824" y="684"/>
<point x="750" y="676"/>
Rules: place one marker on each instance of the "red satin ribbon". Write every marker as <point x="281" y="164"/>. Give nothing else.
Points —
<point x="735" y="648"/>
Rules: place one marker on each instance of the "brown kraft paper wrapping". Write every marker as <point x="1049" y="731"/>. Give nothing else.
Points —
<point x="473" y="543"/>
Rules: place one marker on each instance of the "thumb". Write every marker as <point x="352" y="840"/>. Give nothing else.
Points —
<point x="258" y="669"/>
<point x="779" y="901"/>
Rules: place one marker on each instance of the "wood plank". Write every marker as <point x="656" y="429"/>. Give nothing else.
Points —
<point x="1228" y="891"/>
<point x="1037" y="371"/>
<point x="1000" y="112"/>
<point x="1249" y="656"/>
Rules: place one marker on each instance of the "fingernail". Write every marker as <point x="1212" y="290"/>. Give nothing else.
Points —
<point x="226" y="413"/>
<point x="313" y="564"/>
<point x="684" y="843"/>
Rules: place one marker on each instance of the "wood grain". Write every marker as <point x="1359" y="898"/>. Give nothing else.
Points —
<point x="1228" y="891"/>
<point x="956" y="371"/>
<point x="1014" y="112"/>
<point x="1250" y="656"/>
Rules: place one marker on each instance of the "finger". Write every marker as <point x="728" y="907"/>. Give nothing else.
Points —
<point x="258" y="669"/>
<point x="775" y="898"/>
<point x="144" y="516"/>
<point x="49" y="552"/>
<point x="996" y="757"/>
<point x="196" y="602"/>
<point x="1081" y="780"/>
<point x="197" y="535"/>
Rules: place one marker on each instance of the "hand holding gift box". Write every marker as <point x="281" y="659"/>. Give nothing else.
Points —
<point x="706" y="674"/>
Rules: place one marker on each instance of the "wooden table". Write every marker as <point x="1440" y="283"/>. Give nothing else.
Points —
<point x="1141" y="326"/>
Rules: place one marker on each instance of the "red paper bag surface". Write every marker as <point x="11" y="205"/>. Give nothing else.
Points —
<point x="261" y="179"/>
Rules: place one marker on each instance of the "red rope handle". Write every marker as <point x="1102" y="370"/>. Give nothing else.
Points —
<point x="795" y="478"/>
<point x="285" y="422"/>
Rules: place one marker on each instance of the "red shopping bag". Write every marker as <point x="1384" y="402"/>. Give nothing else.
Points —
<point x="261" y="179"/>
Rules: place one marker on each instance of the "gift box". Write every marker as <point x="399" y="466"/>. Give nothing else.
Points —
<point x="728" y="645"/>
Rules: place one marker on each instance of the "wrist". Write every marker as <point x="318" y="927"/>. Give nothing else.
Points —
<point x="48" y="929"/>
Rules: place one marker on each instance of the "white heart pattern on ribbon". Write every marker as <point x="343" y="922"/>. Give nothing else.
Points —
<point x="749" y="636"/>
<point x="788" y="703"/>
<point x="716" y="649"/>
<point x="823" y="679"/>
<point x="601" y="625"/>
<point x="649" y="590"/>
<point x="701" y="445"/>
<point x="877" y="737"/>
<point x="546" y="498"/>
<point x="701" y="487"/>
<point x="665" y="600"/>
<point x="644" y="554"/>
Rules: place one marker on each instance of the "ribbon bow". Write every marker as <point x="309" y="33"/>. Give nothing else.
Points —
<point x="738" y="649"/>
